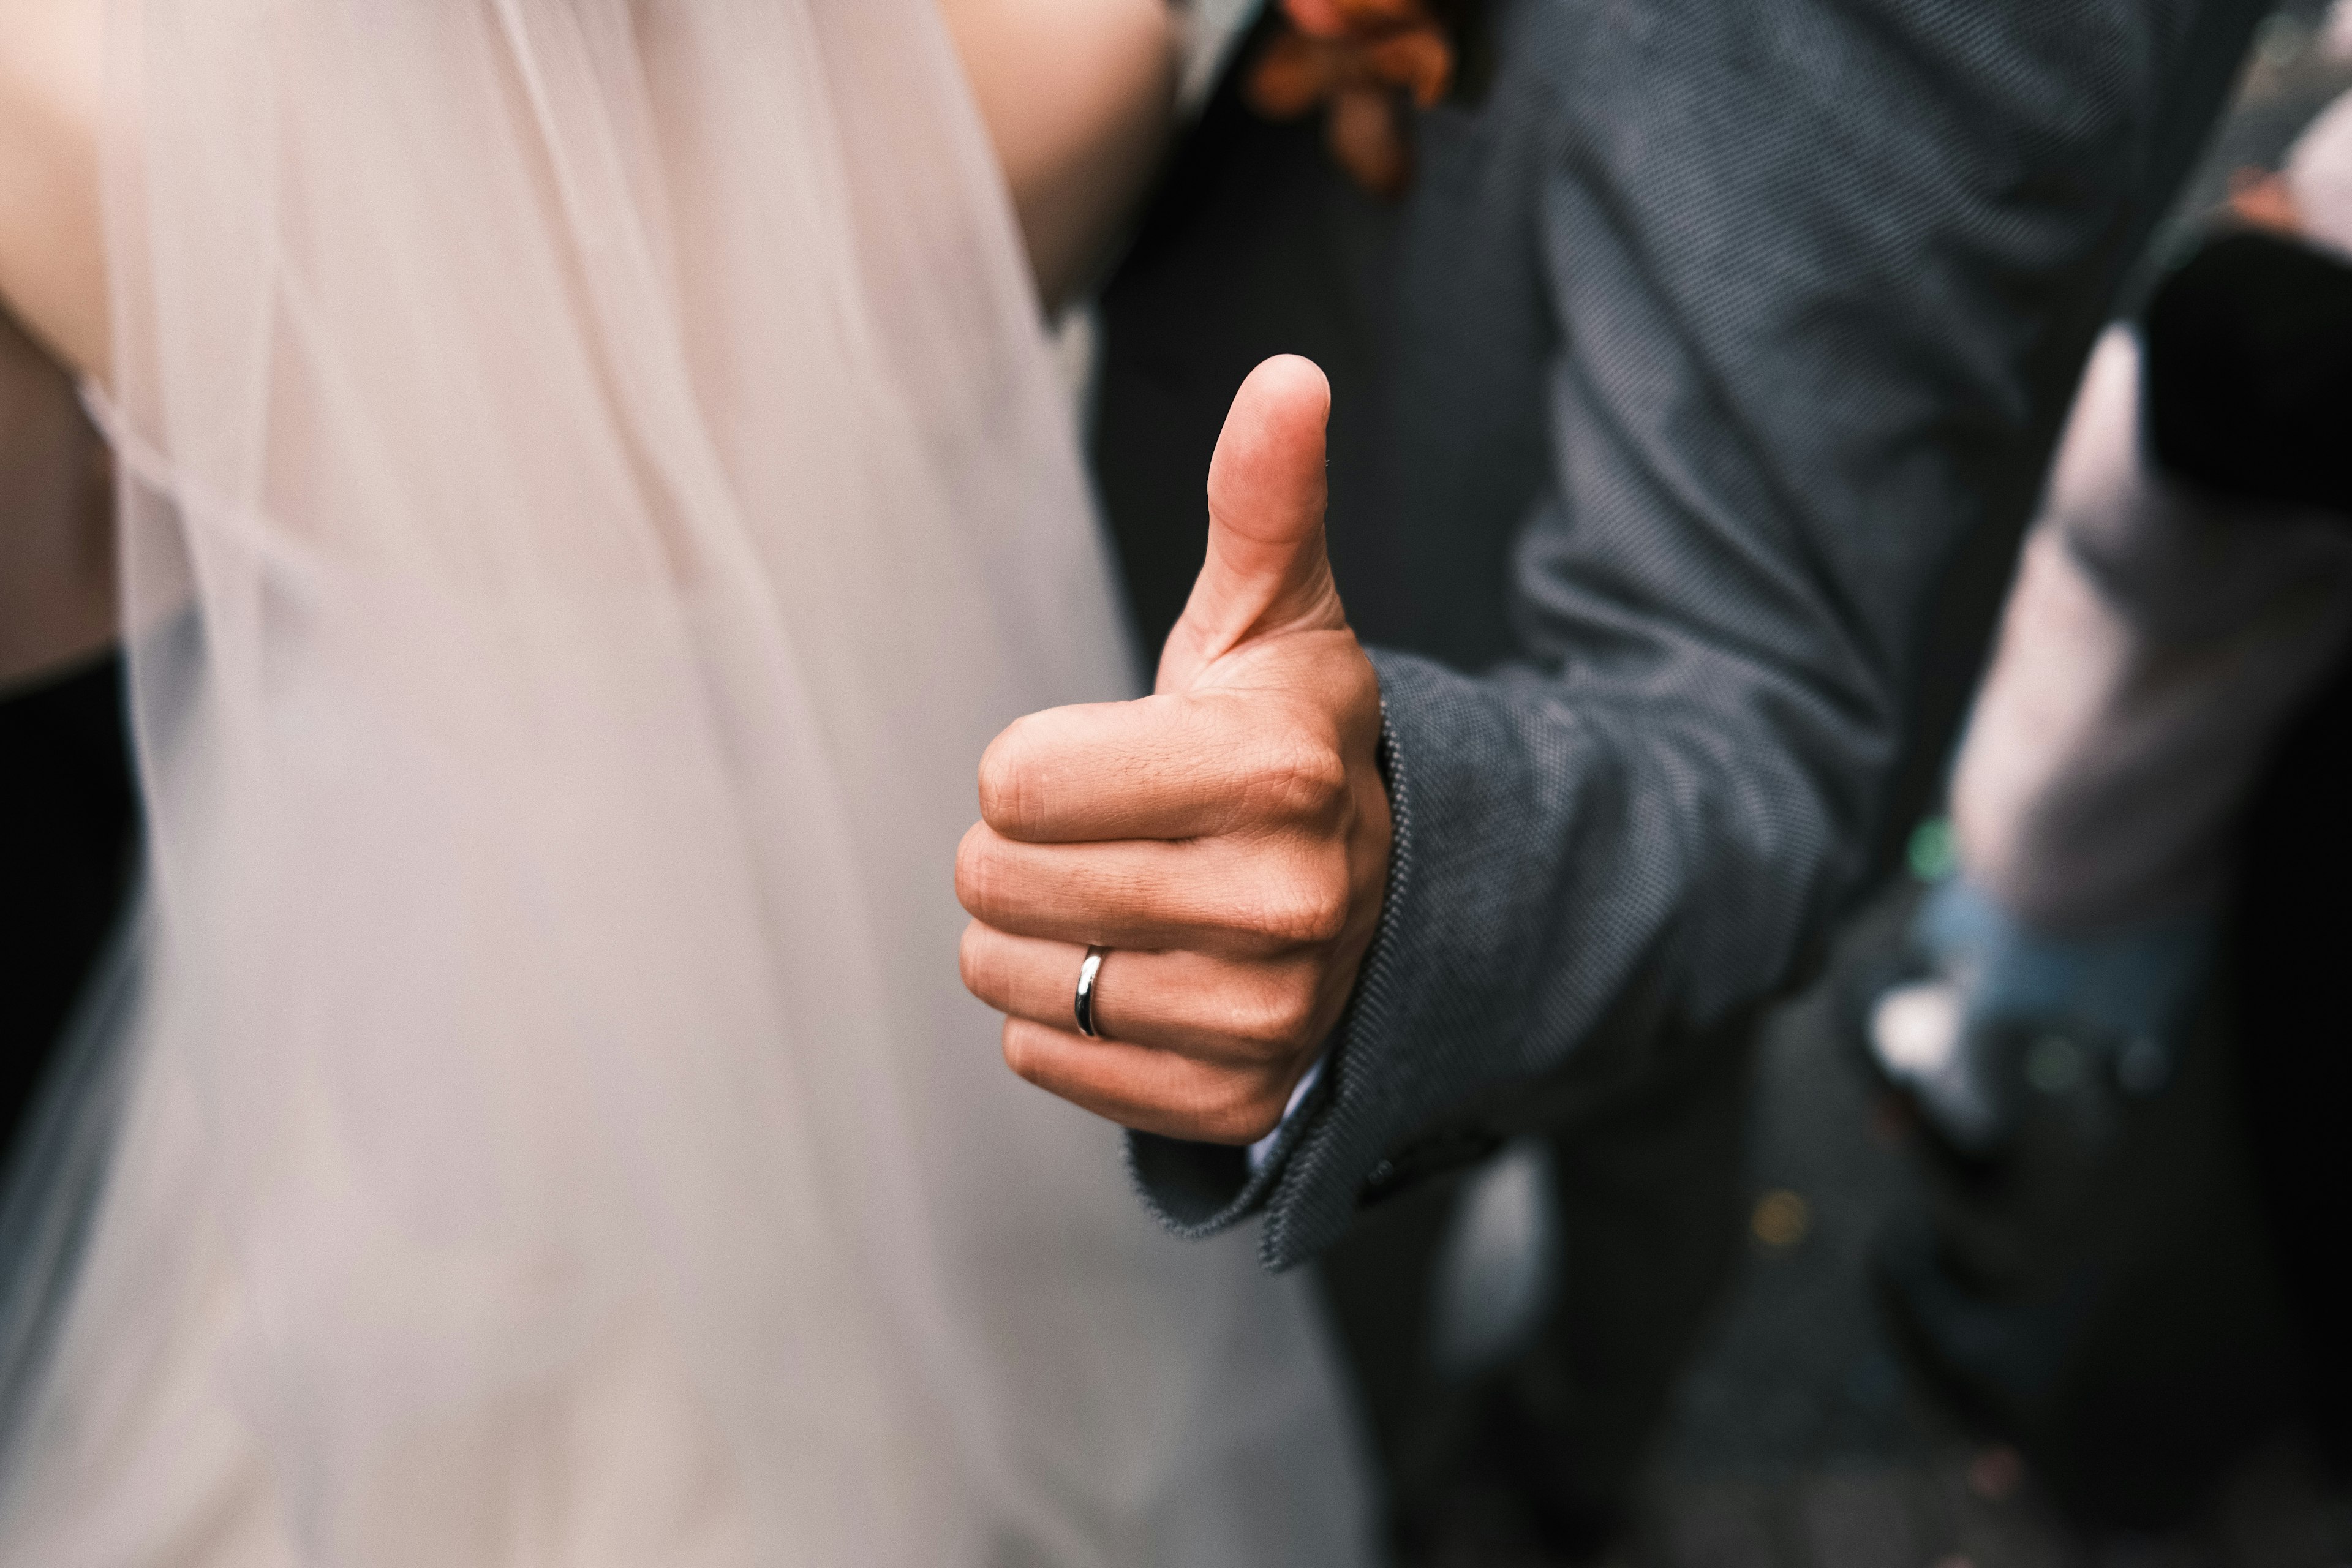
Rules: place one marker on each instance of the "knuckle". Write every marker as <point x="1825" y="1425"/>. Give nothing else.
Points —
<point x="1276" y="1021"/>
<point x="1326" y="917"/>
<point x="1364" y="689"/>
<point x="1294" y="1011"/>
<point x="1291" y="918"/>
<point x="1244" y="1110"/>
<point x="1307" y="906"/>
<point x="1300" y="781"/>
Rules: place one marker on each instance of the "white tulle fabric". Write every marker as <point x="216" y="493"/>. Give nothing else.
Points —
<point x="595" y="483"/>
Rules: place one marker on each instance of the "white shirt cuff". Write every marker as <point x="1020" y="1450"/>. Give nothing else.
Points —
<point x="1263" y="1147"/>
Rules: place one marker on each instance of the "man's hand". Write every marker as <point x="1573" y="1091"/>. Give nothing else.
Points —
<point x="1227" y="838"/>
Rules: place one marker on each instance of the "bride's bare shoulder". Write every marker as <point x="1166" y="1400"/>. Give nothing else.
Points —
<point x="52" y="275"/>
<point x="1078" y="96"/>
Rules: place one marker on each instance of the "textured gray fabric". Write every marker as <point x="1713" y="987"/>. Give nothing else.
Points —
<point x="1791" y="295"/>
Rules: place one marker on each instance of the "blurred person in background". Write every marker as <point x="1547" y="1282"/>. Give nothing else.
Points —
<point x="1692" y="369"/>
<point x="2111" y="966"/>
<point x="590" y="477"/>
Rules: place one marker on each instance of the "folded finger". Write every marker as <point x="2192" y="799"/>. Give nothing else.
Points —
<point x="1213" y="1009"/>
<point x="1209" y="895"/>
<point x="1148" y="1090"/>
<point x="1161" y="767"/>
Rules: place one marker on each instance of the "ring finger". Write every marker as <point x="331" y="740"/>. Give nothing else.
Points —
<point x="1197" y="1005"/>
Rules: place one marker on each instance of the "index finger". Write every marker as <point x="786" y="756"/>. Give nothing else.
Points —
<point x="1171" y="767"/>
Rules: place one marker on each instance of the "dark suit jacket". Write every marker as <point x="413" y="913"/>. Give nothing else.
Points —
<point x="1685" y="413"/>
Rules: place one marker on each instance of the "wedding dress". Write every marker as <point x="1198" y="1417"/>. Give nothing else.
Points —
<point x="594" y="482"/>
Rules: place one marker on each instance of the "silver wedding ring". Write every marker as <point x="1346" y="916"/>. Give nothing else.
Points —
<point x="1088" y="971"/>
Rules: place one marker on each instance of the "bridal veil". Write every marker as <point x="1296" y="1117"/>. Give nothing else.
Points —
<point x="594" y="481"/>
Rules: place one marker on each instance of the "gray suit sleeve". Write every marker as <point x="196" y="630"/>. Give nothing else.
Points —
<point x="1823" y="272"/>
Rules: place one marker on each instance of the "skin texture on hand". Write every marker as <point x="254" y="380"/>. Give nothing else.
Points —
<point x="1227" y="837"/>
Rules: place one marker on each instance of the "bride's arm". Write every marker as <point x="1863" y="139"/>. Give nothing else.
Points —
<point x="52" y="276"/>
<point x="1078" y="96"/>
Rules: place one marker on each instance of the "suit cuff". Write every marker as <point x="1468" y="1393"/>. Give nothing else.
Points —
<point x="1198" y="1190"/>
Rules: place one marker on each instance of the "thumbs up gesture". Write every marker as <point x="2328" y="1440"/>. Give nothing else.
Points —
<point x="1225" y="840"/>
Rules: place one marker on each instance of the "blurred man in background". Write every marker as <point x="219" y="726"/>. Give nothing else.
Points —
<point x="2182" y="605"/>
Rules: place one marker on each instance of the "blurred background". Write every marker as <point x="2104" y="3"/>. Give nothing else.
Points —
<point x="2146" y="1381"/>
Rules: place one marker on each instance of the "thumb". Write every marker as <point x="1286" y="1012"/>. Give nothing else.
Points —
<point x="1266" y="570"/>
